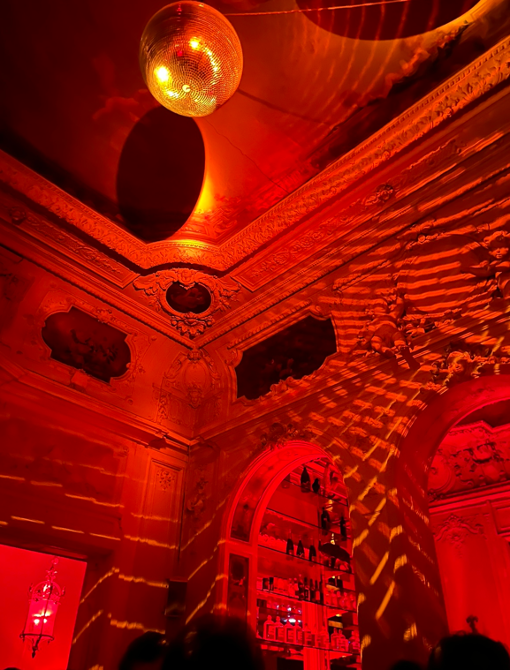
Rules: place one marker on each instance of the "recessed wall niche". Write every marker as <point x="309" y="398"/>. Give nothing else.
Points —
<point x="295" y="352"/>
<point x="85" y="343"/>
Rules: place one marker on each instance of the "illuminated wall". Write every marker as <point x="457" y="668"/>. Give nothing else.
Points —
<point x="124" y="436"/>
<point x="20" y="570"/>
<point x="470" y="514"/>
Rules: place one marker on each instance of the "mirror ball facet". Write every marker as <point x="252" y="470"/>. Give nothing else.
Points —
<point x="191" y="58"/>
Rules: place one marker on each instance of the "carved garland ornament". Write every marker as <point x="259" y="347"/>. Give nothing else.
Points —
<point x="214" y="293"/>
<point x="455" y="530"/>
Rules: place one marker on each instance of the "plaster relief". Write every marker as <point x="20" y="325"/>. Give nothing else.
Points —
<point x="13" y="288"/>
<point x="190" y="298"/>
<point x="95" y="350"/>
<point x="295" y="352"/>
<point x="77" y="339"/>
<point x="191" y="382"/>
<point x="470" y="457"/>
<point x="455" y="530"/>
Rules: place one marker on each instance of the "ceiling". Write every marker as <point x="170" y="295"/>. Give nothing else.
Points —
<point x="75" y="109"/>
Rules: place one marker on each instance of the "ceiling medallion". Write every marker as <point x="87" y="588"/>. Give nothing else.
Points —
<point x="191" y="58"/>
<point x="189" y="297"/>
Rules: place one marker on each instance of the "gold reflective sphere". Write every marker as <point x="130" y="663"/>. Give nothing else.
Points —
<point x="191" y="58"/>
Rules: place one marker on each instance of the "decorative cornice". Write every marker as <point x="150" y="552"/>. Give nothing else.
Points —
<point x="456" y="94"/>
<point x="189" y="323"/>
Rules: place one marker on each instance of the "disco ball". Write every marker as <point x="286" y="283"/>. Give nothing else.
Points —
<point x="191" y="58"/>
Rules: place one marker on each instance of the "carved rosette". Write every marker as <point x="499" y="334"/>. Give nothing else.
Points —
<point x="165" y="478"/>
<point x="188" y="323"/>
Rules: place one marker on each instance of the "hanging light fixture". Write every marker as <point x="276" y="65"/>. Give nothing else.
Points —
<point x="43" y="602"/>
<point x="191" y="58"/>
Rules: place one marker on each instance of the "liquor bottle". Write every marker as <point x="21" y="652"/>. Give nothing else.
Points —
<point x="321" y="592"/>
<point x="305" y="480"/>
<point x="323" y="640"/>
<point x="290" y="633"/>
<point x="354" y="643"/>
<point x="343" y="642"/>
<point x="325" y="521"/>
<point x="335" y="640"/>
<point x="309" y="637"/>
<point x="290" y="587"/>
<point x="295" y="587"/>
<point x="316" y="486"/>
<point x="300" y="549"/>
<point x="343" y="527"/>
<point x="301" y="593"/>
<point x="312" y="553"/>
<point x="299" y="635"/>
<point x="317" y="592"/>
<point x="269" y="629"/>
<point x="290" y="547"/>
<point x="271" y="583"/>
<point x="306" y="590"/>
<point x="280" y="630"/>
<point x="265" y="584"/>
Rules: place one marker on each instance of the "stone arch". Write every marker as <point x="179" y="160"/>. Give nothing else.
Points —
<point x="244" y="513"/>
<point x="418" y="578"/>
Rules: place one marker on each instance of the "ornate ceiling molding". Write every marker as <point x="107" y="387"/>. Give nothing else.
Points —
<point x="186" y="321"/>
<point x="453" y="96"/>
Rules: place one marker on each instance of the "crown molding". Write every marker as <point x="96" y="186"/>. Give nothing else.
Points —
<point x="424" y="117"/>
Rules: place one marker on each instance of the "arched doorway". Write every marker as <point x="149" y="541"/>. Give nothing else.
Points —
<point x="415" y="517"/>
<point x="469" y="503"/>
<point x="286" y="559"/>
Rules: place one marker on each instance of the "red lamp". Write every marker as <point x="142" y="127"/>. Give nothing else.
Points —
<point x="43" y="602"/>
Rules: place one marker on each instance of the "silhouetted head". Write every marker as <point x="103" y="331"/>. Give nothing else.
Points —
<point x="469" y="652"/>
<point x="405" y="665"/>
<point x="144" y="653"/>
<point x="214" y="642"/>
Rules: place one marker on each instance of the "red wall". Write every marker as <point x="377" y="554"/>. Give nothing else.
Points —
<point x="19" y="569"/>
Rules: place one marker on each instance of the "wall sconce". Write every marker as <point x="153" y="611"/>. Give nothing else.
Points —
<point x="43" y="602"/>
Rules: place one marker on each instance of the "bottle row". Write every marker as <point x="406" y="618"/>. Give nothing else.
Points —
<point x="311" y="590"/>
<point x="302" y="636"/>
<point x="330" y="554"/>
<point x="295" y="614"/>
<point x="324" y="486"/>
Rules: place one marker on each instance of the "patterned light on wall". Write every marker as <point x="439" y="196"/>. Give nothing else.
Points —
<point x="43" y="603"/>
<point x="191" y="58"/>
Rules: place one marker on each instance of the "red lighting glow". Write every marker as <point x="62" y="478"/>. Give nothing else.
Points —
<point x="44" y="600"/>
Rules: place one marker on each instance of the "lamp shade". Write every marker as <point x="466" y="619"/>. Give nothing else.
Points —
<point x="191" y="58"/>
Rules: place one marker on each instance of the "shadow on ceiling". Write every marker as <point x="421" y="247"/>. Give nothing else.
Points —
<point x="387" y="21"/>
<point x="160" y="174"/>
